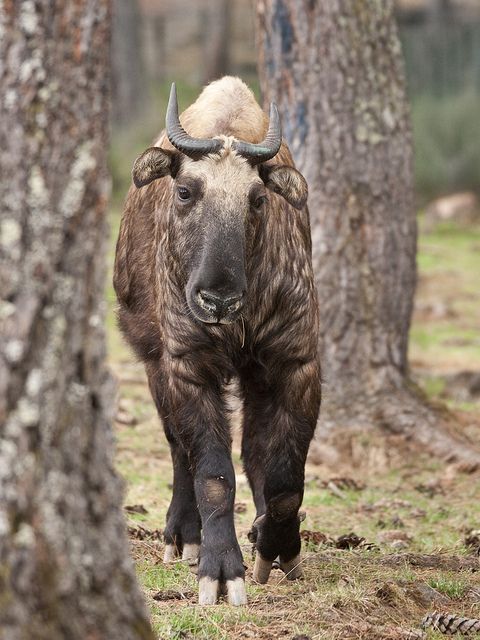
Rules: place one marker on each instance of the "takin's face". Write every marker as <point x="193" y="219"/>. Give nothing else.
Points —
<point x="216" y="201"/>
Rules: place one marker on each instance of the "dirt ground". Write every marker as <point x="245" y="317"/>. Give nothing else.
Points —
<point x="412" y="524"/>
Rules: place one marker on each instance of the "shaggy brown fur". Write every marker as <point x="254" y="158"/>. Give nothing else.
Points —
<point x="271" y="348"/>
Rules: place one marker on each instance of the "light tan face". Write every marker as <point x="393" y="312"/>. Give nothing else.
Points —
<point x="216" y="200"/>
<point x="229" y="181"/>
<point x="217" y="205"/>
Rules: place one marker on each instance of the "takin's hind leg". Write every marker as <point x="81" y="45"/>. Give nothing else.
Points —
<point x="286" y="413"/>
<point x="254" y="438"/>
<point x="182" y="530"/>
<point x="278" y="531"/>
<point x="286" y="556"/>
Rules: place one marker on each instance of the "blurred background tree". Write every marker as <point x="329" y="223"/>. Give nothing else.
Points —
<point x="337" y="75"/>
<point x="129" y="81"/>
<point x="441" y="46"/>
<point x="64" y="564"/>
<point x="216" y="33"/>
<point x="440" y="41"/>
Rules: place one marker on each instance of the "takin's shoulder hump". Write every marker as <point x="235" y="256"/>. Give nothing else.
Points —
<point x="226" y="107"/>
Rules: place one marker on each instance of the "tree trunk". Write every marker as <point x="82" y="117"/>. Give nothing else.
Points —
<point x="216" y="19"/>
<point x="64" y="565"/>
<point x="336" y="73"/>
<point x="441" y="11"/>
<point x="129" y="78"/>
<point x="153" y="46"/>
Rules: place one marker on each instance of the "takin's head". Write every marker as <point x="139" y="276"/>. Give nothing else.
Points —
<point x="219" y="187"/>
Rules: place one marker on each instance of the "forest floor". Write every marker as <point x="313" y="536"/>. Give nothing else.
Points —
<point x="414" y="551"/>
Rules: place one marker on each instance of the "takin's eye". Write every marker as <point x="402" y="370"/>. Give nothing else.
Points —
<point x="183" y="194"/>
<point x="259" y="202"/>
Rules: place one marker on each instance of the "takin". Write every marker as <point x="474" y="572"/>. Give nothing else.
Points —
<point x="214" y="281"/>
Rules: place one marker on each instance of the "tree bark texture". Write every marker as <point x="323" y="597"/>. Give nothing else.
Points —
<point x="65" y="571"/>
<point x="335" y="70"/>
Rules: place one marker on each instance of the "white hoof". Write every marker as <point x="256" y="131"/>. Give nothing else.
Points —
<point x="170" y="554"/>
<point x="207" y="591"/>
<point x="237" y="594"/>
<point x="261" y="570"/>
<point x="190" y="551"/>
<point x="293" y="568"/>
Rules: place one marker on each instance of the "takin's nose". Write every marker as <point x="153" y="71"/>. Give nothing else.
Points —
<point x="219" y="305"/>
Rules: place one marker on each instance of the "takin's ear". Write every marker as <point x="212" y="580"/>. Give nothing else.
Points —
<point x="154" y="163"/>
<point x="287" y="182"/>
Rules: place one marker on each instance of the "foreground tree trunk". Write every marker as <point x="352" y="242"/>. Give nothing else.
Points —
<point x="335" y="70"/>
<point x="64" y="566"/>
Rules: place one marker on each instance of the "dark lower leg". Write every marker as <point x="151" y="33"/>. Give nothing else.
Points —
<point x="182" y="531"/>
<point x="278" y="532"/>
<point x="220" y="556"/>
<point x="253" y="456"/>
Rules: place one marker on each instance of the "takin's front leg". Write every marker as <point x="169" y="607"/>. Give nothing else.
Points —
<point x="287" y="412"/>
<point x="182" y="531"/>
<point x="199" y="422"/>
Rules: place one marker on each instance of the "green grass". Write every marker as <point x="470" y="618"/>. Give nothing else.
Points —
<point x="160" y="577"/>
<point x="452" y="587"/>
<point x="433" y="386"/>
<point x="206" y="624"/>
<point x="449" y="268"/>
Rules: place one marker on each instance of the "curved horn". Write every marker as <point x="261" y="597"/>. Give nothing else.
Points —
<point x="269" y="147"/>
<point x="193" y="147"/>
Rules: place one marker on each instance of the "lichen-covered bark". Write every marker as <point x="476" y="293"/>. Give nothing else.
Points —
<point x="65" y="570"/>
<point x="335" y="70"/>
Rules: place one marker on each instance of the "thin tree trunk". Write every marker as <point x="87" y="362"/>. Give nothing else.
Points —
<point x="153" y="46"/>
<point x="335" y="70"/>
<point x="216" y="34"/>
<point x="129" y="76"/>
<point x="441" y="10"/>
<point x="64" y="565"/>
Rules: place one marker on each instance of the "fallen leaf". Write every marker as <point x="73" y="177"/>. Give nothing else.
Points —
<point x="472" y="541"/>
<point x="140" y="533"/>
<point x="171" y="594"/>
<point x="392" y="535"/>
<point x="135" y="508"/>
<point x="125" y="418"/>
<point x="314" y="537"/>
<point x="430" y="489"/>
<point x="352" y="541"/>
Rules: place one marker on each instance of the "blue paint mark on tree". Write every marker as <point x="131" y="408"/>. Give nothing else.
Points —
<point x="301" y="121"/>
<point x="281" y="24"/>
